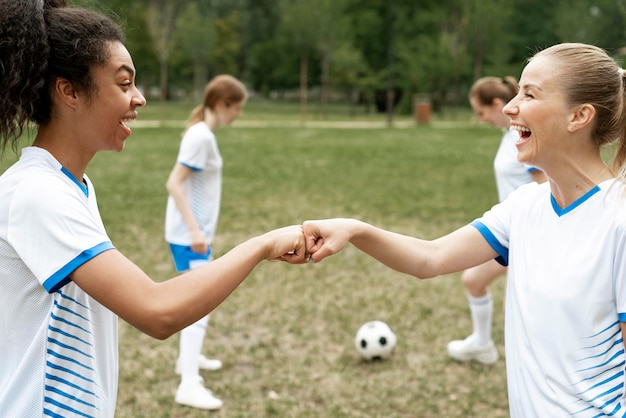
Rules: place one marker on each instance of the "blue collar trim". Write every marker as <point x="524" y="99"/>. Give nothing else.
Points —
<point x="82" y="185"/>
<point x="582" y="199"/>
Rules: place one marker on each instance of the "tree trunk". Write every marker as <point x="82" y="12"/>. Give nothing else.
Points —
<point x="304" y="71"/>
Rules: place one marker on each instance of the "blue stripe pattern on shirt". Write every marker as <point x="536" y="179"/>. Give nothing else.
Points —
<point x="71" y="386"/>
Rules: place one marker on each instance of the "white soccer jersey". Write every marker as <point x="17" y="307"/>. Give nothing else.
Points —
<point x="58" y="346"/>
<point x="565" y="299"/>
<point x="203" y="188"/>
<point x="510" y="173"/>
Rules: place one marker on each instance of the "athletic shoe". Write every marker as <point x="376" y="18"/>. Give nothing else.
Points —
<point x="195" y="395"/>
<point x="204" y="363"/>
<point x="466" y="350"/>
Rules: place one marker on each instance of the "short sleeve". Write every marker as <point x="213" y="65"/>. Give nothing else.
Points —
<point x="195" y="147"/>
<point x="619" y="268"/>
<point x="55" y="228"/>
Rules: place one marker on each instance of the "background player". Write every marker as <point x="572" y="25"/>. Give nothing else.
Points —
<point x="487" y="97"/>
<point x="195" y="188"/>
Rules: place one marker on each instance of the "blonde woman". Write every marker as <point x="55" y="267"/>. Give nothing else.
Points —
<point x="564" y="240"/>
<point x="195" y="188"/>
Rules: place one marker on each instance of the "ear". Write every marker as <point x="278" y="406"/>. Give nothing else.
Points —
<point x="498" y="102"/>
<point x="582" y="116"/>
<point x="220" y="104"/>
<point x="66" y="93"/>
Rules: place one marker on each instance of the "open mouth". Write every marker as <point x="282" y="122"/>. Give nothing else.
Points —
<point x="123" y="124"/>
<point x="125" y="121"/>
<point x="522" y="131"/>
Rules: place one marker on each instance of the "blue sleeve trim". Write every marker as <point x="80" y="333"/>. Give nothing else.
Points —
<point x="533" y="169"/>
<point x="62" y="276"/>
<point x="503" y="252"/>
<point x="621" y="316"/>
<point x="190" y="166"/>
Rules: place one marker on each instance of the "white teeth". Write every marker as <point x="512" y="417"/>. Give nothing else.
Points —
<point x="519" y="129"/>
<point x="522" y="131"/>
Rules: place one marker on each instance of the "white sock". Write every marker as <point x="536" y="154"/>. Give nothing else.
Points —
<point x="481" y="309"/>
<point x="191" y="339"/>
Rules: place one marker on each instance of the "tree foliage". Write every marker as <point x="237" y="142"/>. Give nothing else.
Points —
<point x="353" y="47"/>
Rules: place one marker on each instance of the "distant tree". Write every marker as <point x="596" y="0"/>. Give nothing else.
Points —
<point x="486" y="29"/>
<point x="440" y="47"/>
<point x="332" y="35"/>
<point x="300" y="24"/>
<point x="227" y="45"/>
<point x="271" y="67"/>
<point x="537" y="30"/>
<point x="599" y="22"/>
<point x="161" y="17"/>
<point x="350" y="72"/>
<point x="196" y="30"/>
<point x="258" y="22"/>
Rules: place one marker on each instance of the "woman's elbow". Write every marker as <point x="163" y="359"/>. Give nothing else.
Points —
<point x="169" y="186"/>
<point x="160" y="326"/>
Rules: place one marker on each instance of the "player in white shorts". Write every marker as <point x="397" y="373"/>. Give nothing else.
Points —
<point x="564" y="240"/>
<point x="62" y="282"/>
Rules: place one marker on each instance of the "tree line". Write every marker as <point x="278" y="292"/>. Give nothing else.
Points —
<point x="372" y="52"/>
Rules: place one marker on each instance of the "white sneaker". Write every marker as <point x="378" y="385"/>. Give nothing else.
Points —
<point x="197" y="396"/>
<point x="204" y="363"/>
<point x="209" y="363"/>
<point x="466" y="350"/>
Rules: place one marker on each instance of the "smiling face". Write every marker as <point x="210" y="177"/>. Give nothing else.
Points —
<point x="114" y="102"/>
<point x="539" y="113"/>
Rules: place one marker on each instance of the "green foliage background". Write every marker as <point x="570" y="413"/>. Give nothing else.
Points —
<point x="352" y="50"/>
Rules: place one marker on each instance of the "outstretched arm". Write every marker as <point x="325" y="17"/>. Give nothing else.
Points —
<point x="161" y="309"/>
<point x="457" y="251"/>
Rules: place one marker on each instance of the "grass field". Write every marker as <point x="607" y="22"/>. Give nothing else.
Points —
<point x="286" y="334"/>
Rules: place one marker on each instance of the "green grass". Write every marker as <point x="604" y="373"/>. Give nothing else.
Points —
<point x="259" y="109"/>
<point x="290" y="329"/>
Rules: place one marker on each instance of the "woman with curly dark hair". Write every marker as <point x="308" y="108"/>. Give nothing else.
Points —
<point x="65" y="71"/>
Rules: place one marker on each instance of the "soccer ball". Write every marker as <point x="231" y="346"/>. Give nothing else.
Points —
<point x="375" y="341"/>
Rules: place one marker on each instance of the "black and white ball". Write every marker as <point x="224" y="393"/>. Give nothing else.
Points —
<point x="375" y="341"/>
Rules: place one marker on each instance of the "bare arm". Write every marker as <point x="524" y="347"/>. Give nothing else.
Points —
<point x="175" y="188"/>
<point x="161" y="309"/>
<point x="457" y="251"/>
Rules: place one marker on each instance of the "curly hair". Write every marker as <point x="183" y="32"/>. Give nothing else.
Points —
<point x="41" y="41"/>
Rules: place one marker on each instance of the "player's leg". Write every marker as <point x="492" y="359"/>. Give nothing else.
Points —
<point x="479" y="345"/>
<point x="191" y="390"/>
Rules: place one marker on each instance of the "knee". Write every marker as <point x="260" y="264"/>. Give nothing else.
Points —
<point x="473" y="283"/>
